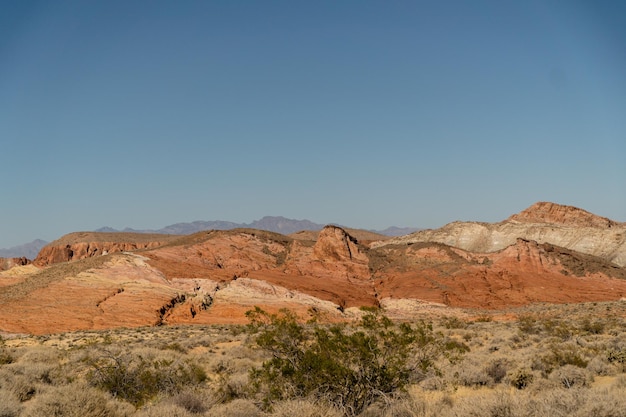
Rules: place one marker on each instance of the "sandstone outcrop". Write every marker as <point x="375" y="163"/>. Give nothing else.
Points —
<point x="8" y="263"/>
<point x="548" y="254"/>
<point x="546" y="212"/>
<point x="83" y="245"/>
<point x="564" y="226"/>
<point x="524" y="273"/>
<point x="334" y="268"/>
<point x="335" y="244"/>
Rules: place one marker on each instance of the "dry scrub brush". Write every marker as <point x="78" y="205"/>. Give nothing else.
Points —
<point x="555" y="361"/>
<point x="349" y="367"/>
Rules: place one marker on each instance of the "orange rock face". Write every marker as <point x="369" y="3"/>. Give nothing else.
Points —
<point x="521" y="274"/>
<point x="216" y="276"/>
<point x="545" y="212"/>
<point x="8" y="263"/>
<point x="334" y="268"/>
<point x="77" y="246"/>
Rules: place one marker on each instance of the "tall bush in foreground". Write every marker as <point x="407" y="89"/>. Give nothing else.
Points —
<point x="348" y="367"/>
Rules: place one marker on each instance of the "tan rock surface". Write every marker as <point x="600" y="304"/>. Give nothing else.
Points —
<point x="563" y="226"/>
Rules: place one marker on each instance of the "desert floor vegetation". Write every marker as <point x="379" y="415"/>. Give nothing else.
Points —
<point x="546" y="360"/>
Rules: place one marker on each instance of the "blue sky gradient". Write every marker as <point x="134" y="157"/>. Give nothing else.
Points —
<point x="363" y="113"/>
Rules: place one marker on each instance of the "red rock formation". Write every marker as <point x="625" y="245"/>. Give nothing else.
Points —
<point x="83" y="245"/>
<point x="214" y="277"/>
<point x="545" y="212"/>
<point x="334" y="243"/>
<point x="564" y="226"/>
<point x="334" y="268"/>
<point x="524" y="273"/>
<point x="8" y="263"/>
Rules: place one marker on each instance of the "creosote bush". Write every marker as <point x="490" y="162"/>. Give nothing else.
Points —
<point x="347" y="367"/>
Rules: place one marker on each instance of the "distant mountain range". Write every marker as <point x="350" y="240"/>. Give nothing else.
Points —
<point x="28" y="250"/>
<point x="276" y="224"/>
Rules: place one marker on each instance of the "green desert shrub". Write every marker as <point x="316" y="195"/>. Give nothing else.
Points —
<point x="592" y="326"/>
<point x="560" y="355"/>
<point x="5" y="355"/>
<point x="136" y="379"/>
<point x="521" y="378"/>
<point x="452" y="322"/>
<point x="347" y="367"/>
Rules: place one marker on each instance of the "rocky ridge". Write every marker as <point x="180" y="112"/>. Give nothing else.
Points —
<point x="564" y="226"/>
<point x="546" y="212"/>
<point x="100" y="280"/>
<point x="81" y="245"/>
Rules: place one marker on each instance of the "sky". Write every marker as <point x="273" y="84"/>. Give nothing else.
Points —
<point x="364" y="113"/>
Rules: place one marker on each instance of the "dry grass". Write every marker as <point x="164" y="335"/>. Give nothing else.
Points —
<point x="554" y="361"/>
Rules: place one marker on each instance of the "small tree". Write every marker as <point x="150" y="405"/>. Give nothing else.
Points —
<point x="349" y="367"/>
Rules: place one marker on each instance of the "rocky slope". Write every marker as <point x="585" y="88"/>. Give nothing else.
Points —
<point x="524" y="273"/>
<point x="551" y="213"/>
<point x="101" y="280"/>
<point x="81" y="245"/>
<point x="564" y="226"/>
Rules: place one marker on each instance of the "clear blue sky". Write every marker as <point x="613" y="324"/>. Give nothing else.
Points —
<point x="364" y="113"/>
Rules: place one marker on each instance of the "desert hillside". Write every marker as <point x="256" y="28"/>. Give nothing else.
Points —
<point x="564" y="226"/>
<point x="546" y="254"/>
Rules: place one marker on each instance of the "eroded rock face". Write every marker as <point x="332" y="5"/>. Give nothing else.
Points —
<point x="334" y="243"/>
<point x="546" y="212"/>
<point x="216" y="276"/>
<point x="334" y="268"/>
<point x="564" y="226"/>
<point x="523" y="273"/>
<point x="83" y="245"/>
<point x="8" y="263"/>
